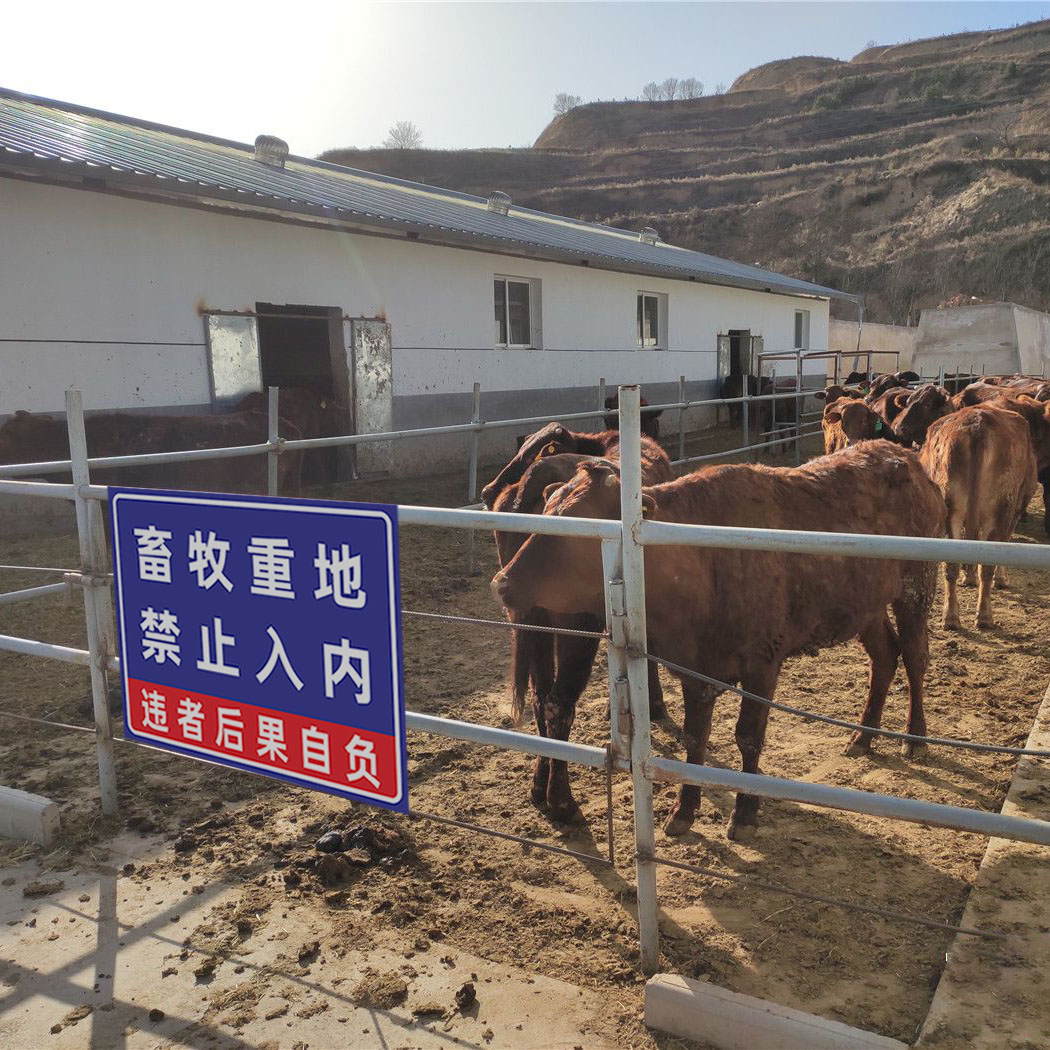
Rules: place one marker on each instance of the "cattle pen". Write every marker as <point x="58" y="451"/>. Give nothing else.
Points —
<point x="629" y="749"/>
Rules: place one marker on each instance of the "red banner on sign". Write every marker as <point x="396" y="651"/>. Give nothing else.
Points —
<point x="311" y="750"/>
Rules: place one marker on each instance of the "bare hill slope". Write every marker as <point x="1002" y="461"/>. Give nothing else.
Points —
<point x="909" y="173"/>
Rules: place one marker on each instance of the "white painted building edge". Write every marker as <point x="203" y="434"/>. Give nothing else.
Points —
<point x="103" y="292"/>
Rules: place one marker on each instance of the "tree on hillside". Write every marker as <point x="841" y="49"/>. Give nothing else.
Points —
<point x="690" y="88"/>
<point x="563" y="102"/>
<point x="720" y="88"/>
<point x="669" y="89"/>
<point x="403" y="135"/>
<point x="651" y="92"/>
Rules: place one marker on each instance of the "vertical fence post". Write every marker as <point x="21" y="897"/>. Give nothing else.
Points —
<point x="601" y="405"/>
<point x="745" y="427"/>
<point x="799" y="401"/>
<point x="681" y="417"/>
<point x="638" y="672"/>
<point x="773" y="406"/>
<point x="98" y="610"/>
<point x="940" y="376"/>
<point x="472" y="475"/>
<point x="272" y="436"/>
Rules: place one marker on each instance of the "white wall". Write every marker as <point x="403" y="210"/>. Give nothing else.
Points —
<point x="842" y="335"/>
<point x="1033" y="340"/>
<point x="108" y="271"/>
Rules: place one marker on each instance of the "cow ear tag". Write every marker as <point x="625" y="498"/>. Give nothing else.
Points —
<point x="878" y="426"/>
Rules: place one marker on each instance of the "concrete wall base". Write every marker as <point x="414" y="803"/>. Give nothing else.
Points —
<point x="731" y="1021"/>
<point x="993" y="994"/>
<point x="27" y="817"/>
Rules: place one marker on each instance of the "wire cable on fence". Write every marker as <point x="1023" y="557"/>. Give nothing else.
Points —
<point x="507" y="624"/>
<point x="818" y="898"/>
<point x="41" y="568"/>
<point x="53" y="724"/>
<point x="590" y="858"/>
<point x="812" y="716"/>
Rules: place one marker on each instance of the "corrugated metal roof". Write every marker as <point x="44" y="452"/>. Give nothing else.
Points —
<point x="48" y="137"/>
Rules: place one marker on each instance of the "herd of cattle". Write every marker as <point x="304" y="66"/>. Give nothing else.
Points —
<point x="900" y="460"/>
<point x="903" y="458"/>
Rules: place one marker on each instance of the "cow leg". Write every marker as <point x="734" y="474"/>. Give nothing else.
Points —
<point x="657" y="708"/>
<point x="880" y="643"/>
<point x="969" y="575"/>
<point x="951" y="620"/>
<point x="985" y="619"/>
<point x="699" y="706"/>
<point x="1002" y="577"/>
<point x="914" y="641"/>
<point x="1044" y="477"/>
<point x="575" y="658"/>
<point x="750" y="737"/>
<point x="541" y="672"/>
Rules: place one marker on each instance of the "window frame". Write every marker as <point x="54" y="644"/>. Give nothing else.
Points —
<point x="532" y="285"/>
<point x="801" y="342"/>
<point x="660" y="298"/>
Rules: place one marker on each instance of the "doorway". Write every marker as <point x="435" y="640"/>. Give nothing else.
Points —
<point x="739" y="351"/>
<point x="302" y="346"/>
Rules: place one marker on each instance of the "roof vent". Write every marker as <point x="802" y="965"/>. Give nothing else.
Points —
<point x="499" y="203"/>
<point x="648" y="236"/>
<point x="271" y="150"/>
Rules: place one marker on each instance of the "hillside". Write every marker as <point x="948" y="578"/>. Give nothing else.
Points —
<point x="910" y="173"/>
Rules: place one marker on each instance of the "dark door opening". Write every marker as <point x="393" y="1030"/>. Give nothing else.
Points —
<point x="302" y="347"/>
<point x="739" y="351"/>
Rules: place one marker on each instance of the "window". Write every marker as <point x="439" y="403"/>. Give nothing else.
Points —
<point x="514" y="325"/>
<point x="652" y="321"/>
<point x="801" y="329"/>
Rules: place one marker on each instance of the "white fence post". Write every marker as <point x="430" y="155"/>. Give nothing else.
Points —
<point x="472" y="473"/>
<point x="638" y="672"/>
<point x="681" y="417"/>
<point x="799" y="402"/>
<point x="601" y="405"/>
<point x="272" y="436"/>
<point x="98" y="609"/>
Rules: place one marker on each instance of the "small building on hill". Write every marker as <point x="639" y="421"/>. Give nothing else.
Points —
<point x="159" y="269"/>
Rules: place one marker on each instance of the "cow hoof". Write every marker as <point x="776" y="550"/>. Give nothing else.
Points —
<point x="677" y="824"/>
<point x="985" y="623"/>
<point x="951" y="623"/>
<point x="567" y="814"/>
<point x="857" y="749"/>
<point x="914" y="749"/>
<point x="737" y="832"/>
<point x="538" y="797"/>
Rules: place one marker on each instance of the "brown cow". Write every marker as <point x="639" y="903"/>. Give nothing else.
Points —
<point x="888" y="380"/>
<point x="554" y="439"/>
<point x="983" y="461"/>
<point x="847" y="421"/>
<point x="30" y="438"/>
<point x="737" y="614"/>
<point x="558" y="666"/>
<point x="921" y="408"/>
<point x="834" y="392"/>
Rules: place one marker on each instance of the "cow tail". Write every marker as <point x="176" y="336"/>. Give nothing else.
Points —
<point x="521" y="646"/>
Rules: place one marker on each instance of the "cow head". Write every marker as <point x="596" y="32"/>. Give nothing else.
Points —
<point x="921" y="408"/>
<point x="563" y="574"/>
<point x="550" y="440"/>
<point x="650" y="417"/>
<point x="848" y="421"/>
<point x="834" y="392"/>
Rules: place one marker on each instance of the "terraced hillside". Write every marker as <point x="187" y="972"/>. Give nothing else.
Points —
<point x="909" y="173"/>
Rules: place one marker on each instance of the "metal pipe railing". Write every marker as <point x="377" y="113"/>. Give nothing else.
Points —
<point x="29" y="593"/>
<point x="829" y="796"/>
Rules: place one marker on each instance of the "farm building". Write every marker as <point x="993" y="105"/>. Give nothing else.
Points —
<point x="165" y="270"/>
<point x="995" y="338"/>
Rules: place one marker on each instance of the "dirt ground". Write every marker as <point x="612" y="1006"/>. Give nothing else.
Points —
<point x="559" y="917"/>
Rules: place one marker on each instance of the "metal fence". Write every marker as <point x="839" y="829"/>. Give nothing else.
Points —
<point x="622" y="545"/>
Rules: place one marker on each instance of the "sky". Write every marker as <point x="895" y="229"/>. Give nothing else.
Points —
<point x="329" y="74"/>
